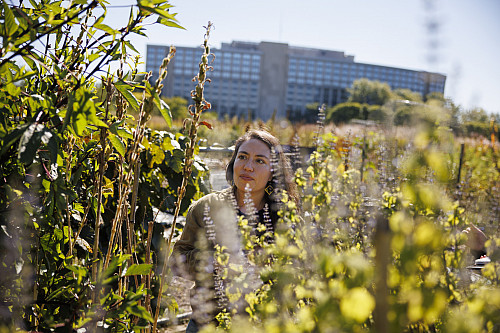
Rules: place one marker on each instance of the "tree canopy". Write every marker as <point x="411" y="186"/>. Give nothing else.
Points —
<point x="365" y="91"/>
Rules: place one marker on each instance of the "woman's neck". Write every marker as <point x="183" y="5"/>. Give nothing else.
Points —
<point x="257" y="198"/>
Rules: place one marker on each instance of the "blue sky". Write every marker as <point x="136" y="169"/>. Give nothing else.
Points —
<point x="461" y="36"/>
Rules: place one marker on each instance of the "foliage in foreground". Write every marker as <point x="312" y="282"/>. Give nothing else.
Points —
<point x="79" y="177"/>
<point x="378" y="245"/>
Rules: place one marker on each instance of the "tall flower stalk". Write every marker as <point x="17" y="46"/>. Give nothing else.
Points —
<point x="195" y="110"/>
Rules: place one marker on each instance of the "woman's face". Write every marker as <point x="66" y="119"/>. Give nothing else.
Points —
<point x="252" y="166"/>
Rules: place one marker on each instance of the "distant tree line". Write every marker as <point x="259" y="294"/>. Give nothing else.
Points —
<point x="376" y="101"/>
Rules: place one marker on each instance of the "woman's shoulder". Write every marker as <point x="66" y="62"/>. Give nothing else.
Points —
<point x="222" y="197"/>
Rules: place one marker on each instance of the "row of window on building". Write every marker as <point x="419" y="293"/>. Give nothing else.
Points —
<point x="243" y="92"/>
<point x="236" y="78"/>
<point x="244" y="66"/>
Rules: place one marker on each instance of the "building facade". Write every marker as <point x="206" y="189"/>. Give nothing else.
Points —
<point x="265" y="78"/>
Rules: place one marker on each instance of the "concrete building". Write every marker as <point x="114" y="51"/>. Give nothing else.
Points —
<point x="265" y="77"/>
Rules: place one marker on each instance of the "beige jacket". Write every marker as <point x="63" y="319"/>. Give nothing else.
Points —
<point x="216" y="208"/>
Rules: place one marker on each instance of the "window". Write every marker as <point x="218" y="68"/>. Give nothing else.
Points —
<point x="226" y="60"/>
<point x="319" y="69"/>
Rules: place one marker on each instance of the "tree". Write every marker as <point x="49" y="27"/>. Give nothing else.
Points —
<point x="178" y="107"/>
<point x="475" y="114"/>
<point x="437" y="96"/>
<point x="407" y="94"/>
<point x="369" y="92"/>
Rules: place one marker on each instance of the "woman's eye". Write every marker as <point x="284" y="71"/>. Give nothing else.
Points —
<point x="241" y="157"/>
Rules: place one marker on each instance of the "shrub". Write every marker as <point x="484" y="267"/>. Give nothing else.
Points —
<point x="344" y="112"/>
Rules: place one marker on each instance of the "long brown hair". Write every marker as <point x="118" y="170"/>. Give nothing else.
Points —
<point x="282" y="177"/>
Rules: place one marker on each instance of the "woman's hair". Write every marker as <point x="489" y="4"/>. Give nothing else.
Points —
<point x="281" y="170"/>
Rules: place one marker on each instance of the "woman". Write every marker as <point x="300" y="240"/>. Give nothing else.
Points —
<point x="257" y="172"/>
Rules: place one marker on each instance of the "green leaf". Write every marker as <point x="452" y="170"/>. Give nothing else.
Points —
<point x="176" y="161"/>
<point x="131" y="46"/>
<point x="93" y="56"/>
<point x="138" y="269"/>
<point x="10" y="21"/>
<point x="101" y="18"/>
<point x="140" y="311"/>
<point x="21" y="40"/>
<point x="79" y="271"/>
<point x="23" y="75"/>
<point x="125" y="89"/>
<point x="123" y="132"/>
<point x="158" y="155"/>
<point x="149" y="6"/>
<point x="11" y="138"/>
<point x="13" y="90"/>
<point x="117" y="143"/>
<point x="106" y="28"/>
<point x="84" y="111"/>
<point x="169" y="23"/>
<point x="30" y="141"/>
<point x="113" y="265"/>
<point x="164" y="109"/>
<point x="79" y="123"/>
<point x="170" y="144"/>
<point x="118" y="129"/>
<point x="30" y="62"/>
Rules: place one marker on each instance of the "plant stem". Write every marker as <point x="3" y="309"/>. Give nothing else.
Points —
<point x="382" y="260"/>
<point x="199" y="106"/>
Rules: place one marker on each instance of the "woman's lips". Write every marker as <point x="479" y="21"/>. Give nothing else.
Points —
<point x="245" y="177"/>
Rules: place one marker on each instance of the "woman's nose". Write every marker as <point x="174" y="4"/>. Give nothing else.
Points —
<point x="248" y="165"/>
